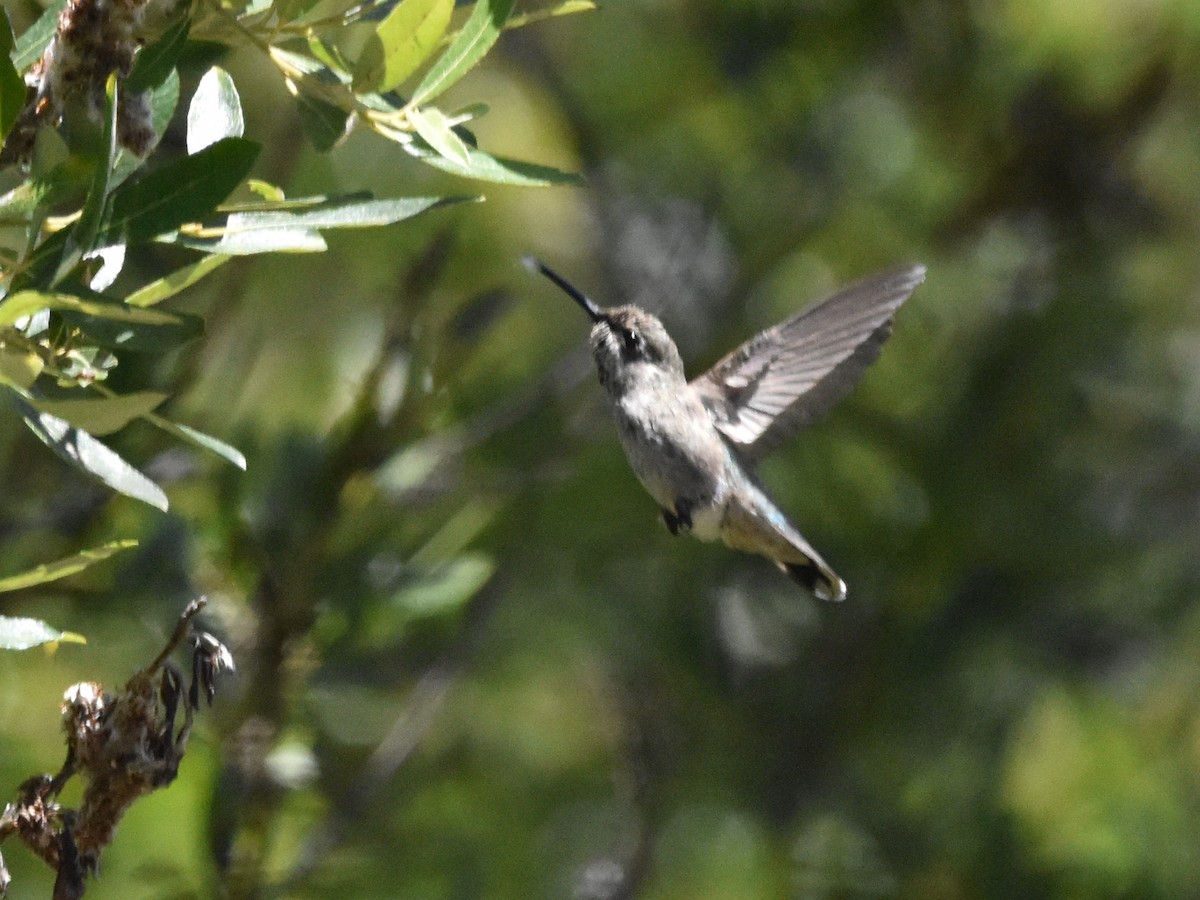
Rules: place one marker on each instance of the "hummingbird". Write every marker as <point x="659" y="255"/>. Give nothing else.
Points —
<point x="694" y="444"/>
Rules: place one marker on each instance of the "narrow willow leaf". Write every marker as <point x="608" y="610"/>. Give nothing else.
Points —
<point x="566" y="8"/>
<point x="89" y="455"/>
<point x="492" y="168"/>
<point x="215" y="112"/>
<point x="431" y="124"/>
<point x="346" y="213"/>
<point x="6" y="34"/>
<point x="138" y="337"/>
<point x="324" y="123"/>
<point x="12" y="91"/>
<point x="82" y="239"/>
<point x="101" y="415"/>
<point x="156" y="61"/>
<point x="466" y="49"/>
<point x="200" y="439"/>
<point x="61" y="568"/>
<point x="23" y="634"/>
<point x="25" y="303"/>
<point x="19" y="368"/>
<point x="184" y="191"/>
<point x="180" y="279"/>
<point x="32" y="44"/>
<point x="234" y="242"/>
<point x="401" y="43"/>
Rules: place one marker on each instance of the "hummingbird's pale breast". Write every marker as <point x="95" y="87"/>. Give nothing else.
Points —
<point x="674" y="447"/>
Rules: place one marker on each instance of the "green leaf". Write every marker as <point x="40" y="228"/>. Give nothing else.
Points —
<point x="101" y="415"/>
<point x="235" y="242"/>
<point x="19" y="368"/>
<point x="432" y="125"/>
<point x="63" y="567"/>
<point x="12" y="85"/>
<point x="139" y="337"/>
<point x="6" y="33"/>
<point x="468" y="47"/>
<point x="200" y="439"/>
<point x="343" y="213"/>
<point x="492" y="168"/>
<point x="401" y="43"/>
<point x="32" y="44"/>
<point x="565" y="8"/>
<point x="17" y="204"/>
<point x="184" y="191"/>
<point x="215" y="112"/>
<point x="180" y="279"/>
<point x="445" y="588"/>
<point x="26" y="303"/>
<point x="82" y="238"/>
<point x="155" y="62"/>
<point x="89" y="455"/>
<point x="324" y="123"/>
<point x="22" y="634"/>
<point x="290" y="10"/>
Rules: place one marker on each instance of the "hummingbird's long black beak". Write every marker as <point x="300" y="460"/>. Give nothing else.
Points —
<point x="534" y="264"/>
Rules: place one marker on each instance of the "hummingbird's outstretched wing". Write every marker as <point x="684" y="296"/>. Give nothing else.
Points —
<point x="793" y="373"/>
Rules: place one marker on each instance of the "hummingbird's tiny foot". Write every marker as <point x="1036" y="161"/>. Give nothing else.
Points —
<point x="679" y="520"/>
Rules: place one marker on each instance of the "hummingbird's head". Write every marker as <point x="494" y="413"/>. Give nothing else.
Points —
<point x="624" y="339"/>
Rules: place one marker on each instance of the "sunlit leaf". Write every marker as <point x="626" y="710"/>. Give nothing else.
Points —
<point x="215" y="112"/>
<point x="466" y="49"/>
<point x="341" y="213"/>
<point x="492" y="168"/>
<point x="184" y="191"/>
<point x="565" y="8"/>
<point x="25" y="303"/>
<point x="432" y="125"/>
<point x="235" y="241"/>
<point x="89" y="455"/>
<point x="19" y="368"/>
<point x="101" y="415"/>
<point x="202" y="440"/>
<point x="61" y="568"/>
<point x="180" y="279"/>
<point x="401" y="43"/>
<point x="22" y="634"/>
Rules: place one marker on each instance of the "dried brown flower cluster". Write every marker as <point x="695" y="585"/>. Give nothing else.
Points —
<point x="94" y="39"/>
<point x="124" y="747"/>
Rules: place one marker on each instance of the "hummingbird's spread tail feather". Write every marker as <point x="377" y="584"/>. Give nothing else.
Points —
<point x="753" y="523"/>
<point x="817" y="580"/>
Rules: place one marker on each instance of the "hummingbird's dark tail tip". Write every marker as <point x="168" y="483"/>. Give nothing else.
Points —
<point x="822" y="584"/>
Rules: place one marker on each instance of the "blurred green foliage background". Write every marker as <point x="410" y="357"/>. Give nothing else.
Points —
<point x="472" y="663"/>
